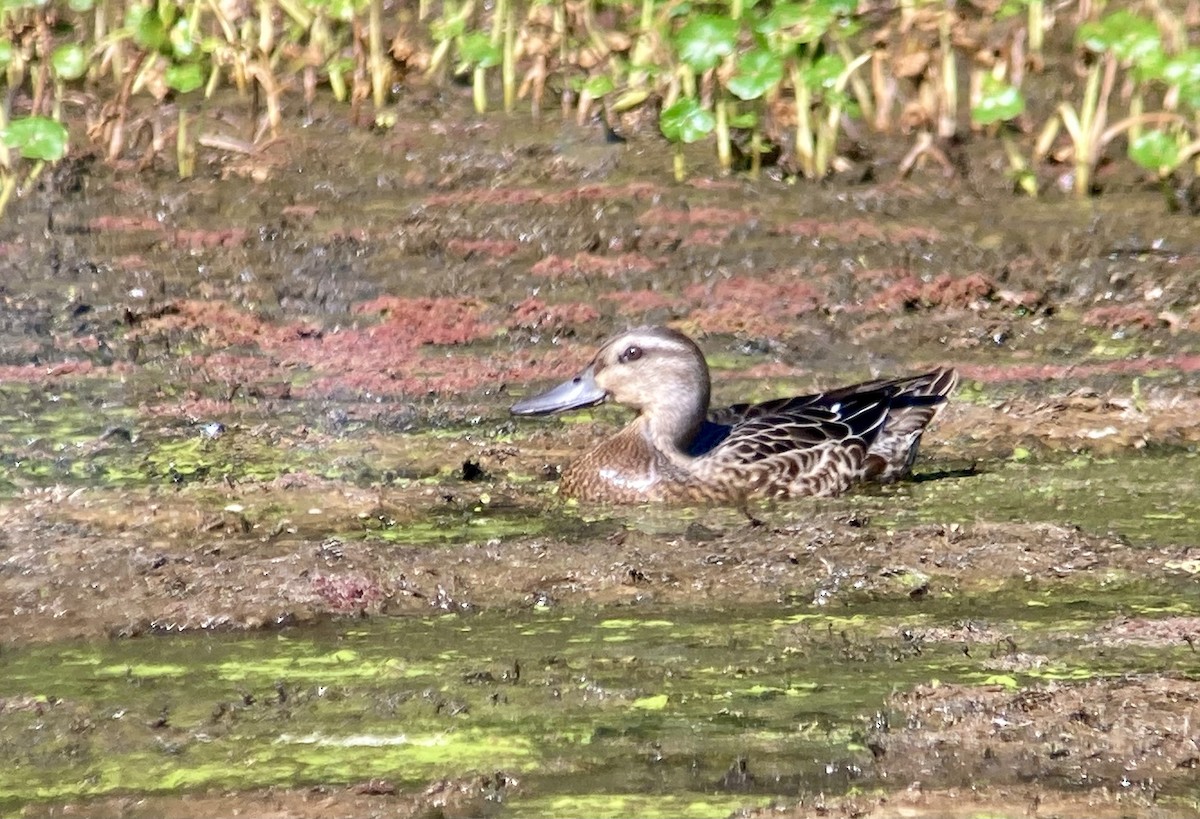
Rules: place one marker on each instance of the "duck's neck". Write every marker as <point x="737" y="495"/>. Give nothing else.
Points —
<point x="672" y="428"/>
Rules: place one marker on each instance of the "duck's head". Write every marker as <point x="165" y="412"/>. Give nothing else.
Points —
<point x="657" y="371"/>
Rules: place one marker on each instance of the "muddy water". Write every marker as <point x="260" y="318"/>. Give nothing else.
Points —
<point x="272" y="542"/>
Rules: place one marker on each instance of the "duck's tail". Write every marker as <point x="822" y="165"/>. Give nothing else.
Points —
<point x="914" y="403"/>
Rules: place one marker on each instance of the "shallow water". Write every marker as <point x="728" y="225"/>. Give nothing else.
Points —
<point x="592" y="712"/>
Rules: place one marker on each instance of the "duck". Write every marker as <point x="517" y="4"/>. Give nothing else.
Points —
<point x="678" y="449"/>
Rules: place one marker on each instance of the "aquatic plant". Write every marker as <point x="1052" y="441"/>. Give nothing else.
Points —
<point x="760" y="80"/>
<point x="702" y="43"/>
<point x="1123" y="42"/>
<point x="28" y="141"/>
<point x="997" y="103"/>
<point x="685" y="121"/>
<point x="1173" y="136"/>
<point x="757" y="74"/>
<point x="788" y="60"/>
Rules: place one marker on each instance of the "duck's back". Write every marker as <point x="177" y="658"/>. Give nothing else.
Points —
<point x="821" y="444"/>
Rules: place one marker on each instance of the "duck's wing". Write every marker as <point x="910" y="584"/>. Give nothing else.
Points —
<point x="805" y="450"/>
<point x="887" y="416"/>
<point x="928" y="388"/>
<point x="799" y="426"/>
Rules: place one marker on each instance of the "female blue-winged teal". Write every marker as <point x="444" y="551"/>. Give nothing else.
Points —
<point x="807" y="445"/>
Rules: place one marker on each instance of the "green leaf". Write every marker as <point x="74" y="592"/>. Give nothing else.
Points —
<point x="342" y="65"/>
<point x="184" y="43"/>
<point x="1155" y="151"/>
<point x="185" y="77"/>
<point x="69" y="62"/>
<point x="757" y="72"/>
<point x="1011" y="8"/>
<point x="1190" y="97"/>
<point x="1130" y="37"/>
<point x="798" y="23"/>
<point x="824" y="73"/>
<point x="37" y="138"/>
<point x="683" y="9"/>
<point x="169" y="11"/>
<point x="447" y="28"/>
<point x="705" y="40"/>
<point x="478" y="50"/>
<point x="81" y="6"/>
<point x="341" y="10"/>
<point x="1183" y="71"/>
<point x="837" y="8"/>
<point x="686" y="121"/>
<point x="148" y="29"/>
<point x="781" y="16"/>
<point x="998" y="102"/>
<point x="745" y="120"/>
<point x="598" y="85"/>
<point x="6" y="53"/>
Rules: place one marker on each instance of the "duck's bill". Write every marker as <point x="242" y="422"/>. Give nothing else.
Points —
<point x="581" y="391"/>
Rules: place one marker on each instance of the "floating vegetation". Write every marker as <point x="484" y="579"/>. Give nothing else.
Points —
<point x="590" y="725"/>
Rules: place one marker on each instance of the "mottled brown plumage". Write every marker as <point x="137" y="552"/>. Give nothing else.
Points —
<point x="675" y="449"/>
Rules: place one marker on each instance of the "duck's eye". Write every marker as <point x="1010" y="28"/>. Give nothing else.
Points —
<point x="632" y="353"/>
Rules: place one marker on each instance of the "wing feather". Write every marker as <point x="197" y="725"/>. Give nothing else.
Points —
<point x="870" y="429"/>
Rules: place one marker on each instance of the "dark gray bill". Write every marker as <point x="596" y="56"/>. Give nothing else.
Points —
<point x="580" y="391"/>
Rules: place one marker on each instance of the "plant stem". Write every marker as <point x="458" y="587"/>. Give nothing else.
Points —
<point x="8" y="184"/>
<point x="5" y="154"/>
<point x="724" y="151"/>
<point x="829" y="126"/>
<point x="1020" y="169"/>
<point x="479" y="89"/>
<point x="185" y="148"/>
<point x="1137" y="107"/>
<point x="380" y="68"/>
<point x="44" y="43"/>
<point x="299" y="14"/>
<point x="508" y="69"/>
<point x="1093" y="117"/>
<point x="1083" y="135"/>
<point x="1037" y="28"/>
<point x="804" y="131"/>
<point x="948" y="118"/>
<point x="643" y="50"/>
<point x="862" y="91"/>
<point x="500" y="15"/>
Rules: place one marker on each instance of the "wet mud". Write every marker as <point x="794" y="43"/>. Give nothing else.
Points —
<point x="273" y="400"/>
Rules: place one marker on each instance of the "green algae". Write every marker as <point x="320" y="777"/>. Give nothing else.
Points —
<point x="1151" y="497"/>
<point x="548" y="695"/>
<point x="92" y="434"/>
<point x="66" y="437"/>
<point x="1145" y="497"/>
